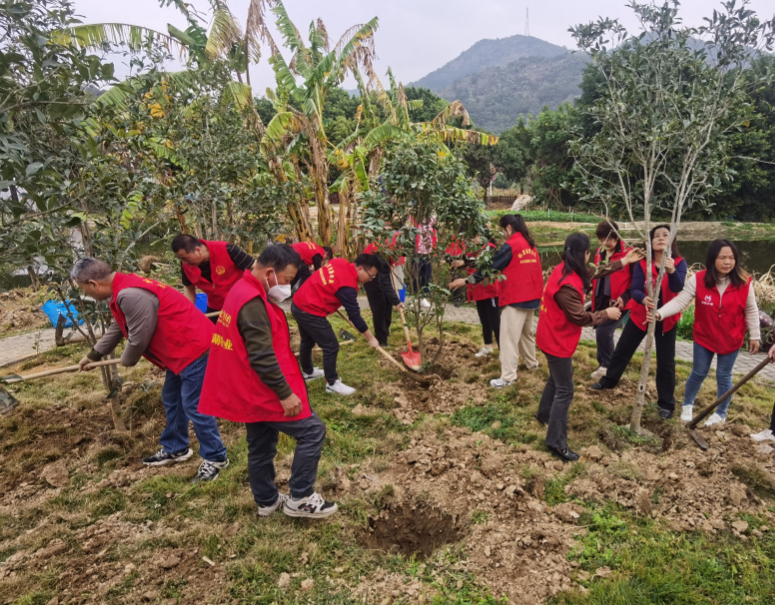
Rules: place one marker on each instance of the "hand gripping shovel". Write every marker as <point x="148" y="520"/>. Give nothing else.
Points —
<point x="412" y="359"/>
<point x="387" y="356"/>
<point x="692" y="426"/>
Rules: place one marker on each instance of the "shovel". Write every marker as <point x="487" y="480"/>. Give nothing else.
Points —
<point x="7" y="401"/>
<point x="389" y="357"/>
<point x="411" y="359"/>
<point x="14" y="378"/>
<point x="692" y="426"/>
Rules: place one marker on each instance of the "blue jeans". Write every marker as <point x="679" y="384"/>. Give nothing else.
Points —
<point x="180" y="395"/>
<point x="724" y="366"/>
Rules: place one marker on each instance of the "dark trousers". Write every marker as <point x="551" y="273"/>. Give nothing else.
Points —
<point x="381" y="311"/>
<point x="604" y="335"/>
<point x="214" y="318"/>
<point x="302" y="275"/>
<point x="628" y="343"/>
<point x="490" y="318"/>
<point x="309" y="434"/>
<point x="556" y="400"/>
<point x="314" y="329"/>
<point x="772" y="419"/>
<point x="421" y="268"/>
<point x="180" y="396"/>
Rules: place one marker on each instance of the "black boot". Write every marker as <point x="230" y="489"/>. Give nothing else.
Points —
<point x="564" y="454"/>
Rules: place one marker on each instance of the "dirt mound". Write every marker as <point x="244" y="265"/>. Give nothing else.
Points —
<point x="20" y="310"/>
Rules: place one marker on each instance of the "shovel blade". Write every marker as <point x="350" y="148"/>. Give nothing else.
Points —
<point x="698" y="439"/>
<point x="7" y="401"/>
<point x="412" y="360"/>
<point x="345" y="335"/>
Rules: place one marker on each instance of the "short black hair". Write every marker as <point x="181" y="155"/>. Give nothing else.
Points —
<point x="606" y="228"/>
<point x="329" y="251"/>
<point x="184" y="241"/>
<point x="367" y="261"/>
<point x="279" y="256"/>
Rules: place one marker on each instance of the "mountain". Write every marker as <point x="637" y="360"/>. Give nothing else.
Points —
<point x="496" y="96"/>
<point x="488" y="53"/>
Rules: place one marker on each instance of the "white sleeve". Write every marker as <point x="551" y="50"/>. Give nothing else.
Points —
<point x="752" y="315"/>
<point x="681" y="302"/>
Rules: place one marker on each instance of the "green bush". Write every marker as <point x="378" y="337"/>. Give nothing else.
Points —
<point x="686" y="323"/>
<point x="547" y="215"/>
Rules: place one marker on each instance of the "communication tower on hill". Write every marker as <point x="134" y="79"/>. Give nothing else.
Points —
<point x="527" y="22"/>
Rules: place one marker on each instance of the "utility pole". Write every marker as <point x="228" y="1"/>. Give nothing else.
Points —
<point x="527" y="22"/>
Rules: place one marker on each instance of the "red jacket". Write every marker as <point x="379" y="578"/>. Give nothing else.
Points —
<point x="182" y="333"/>
<point x="224" y="274"/>
<point x="317" y="295"/>
<point x="638" y="312"/>
<point x="621" y="281"/>
<point x="524" y="277"/>
<point x="485" y="289"/>
<point x="719" y="321"/>
<point x="556" y="335"/>
<point x="232" y="389"/>
<point x="307" y="250"/>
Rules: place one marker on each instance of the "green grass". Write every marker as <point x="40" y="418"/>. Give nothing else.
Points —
<point x="548" y="215"/>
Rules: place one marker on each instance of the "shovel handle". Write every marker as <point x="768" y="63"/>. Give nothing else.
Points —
<point x="96" y="364"/>
<point x="708" y="410"/>
<point x="213" y="314"/>
<point x="380" y="349"/>
<point x="401" y="312"/>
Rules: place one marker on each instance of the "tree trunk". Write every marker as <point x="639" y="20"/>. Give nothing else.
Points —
<point x="343" y="232"/>
<point x="640" y="396"/>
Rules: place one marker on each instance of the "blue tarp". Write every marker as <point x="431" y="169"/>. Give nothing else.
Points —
<point x="201" y="302"/>
<point x="54" y="308"/>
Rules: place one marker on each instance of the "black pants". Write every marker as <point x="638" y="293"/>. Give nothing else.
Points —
<point x="556" y="400"/>
<point x="628" y="343"/>
<point x="314" y="329"/>
<point x="381" y="311"/>
<point x="309" y="434"/>
<point x="604" y="336"/>
<point x="214" y="318"/>
<point x="772" y="419"/>
<point x="490" y="317"/>
<point x="302" y="275"/>
<point x="421" y="267"/>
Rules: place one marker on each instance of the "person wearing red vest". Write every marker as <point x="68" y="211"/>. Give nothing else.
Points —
<point x="253" y="377"/>
<point x="311" y="255"/>
<point x="382" y="296"/>
<point x="724" y="307"/>
<point x="560" y="321"/>
<point x="613" y="290"/>
<point x="456" y="258"/>
<point x="635" y="330"/>
<point x="520" y="295"/>
<point x="212" y="266"/>
<point x="165" y="328"/>
<point x="332" y="286"/>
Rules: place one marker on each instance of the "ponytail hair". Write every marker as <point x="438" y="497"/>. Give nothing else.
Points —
<point x="518" y="225"/>
<point x="573" y="256"/>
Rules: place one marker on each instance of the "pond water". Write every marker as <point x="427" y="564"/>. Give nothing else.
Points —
<point x="756" y="256"/>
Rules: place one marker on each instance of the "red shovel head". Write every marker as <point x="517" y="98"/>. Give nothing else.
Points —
<point x="412" y="360"/>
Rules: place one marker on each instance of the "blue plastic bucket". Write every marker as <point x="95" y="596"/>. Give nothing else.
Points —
<point x="201" y="302"/>
<point x="55" y="308"/>
<point x="402" y="294"/>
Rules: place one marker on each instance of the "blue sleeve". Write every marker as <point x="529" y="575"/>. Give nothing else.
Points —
<point x="500" y="261"/>
<point x="349" y="299"/>
<point x="638" y="290"/>
<point x="676" y="281"/>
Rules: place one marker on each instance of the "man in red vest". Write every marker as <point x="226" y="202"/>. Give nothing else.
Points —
<point x="313" y="256"/>
<point x="253" y="377"/>
<point x="212" y="266"/>
<point x="331" y="287"/>
<point x="162" y="326"/>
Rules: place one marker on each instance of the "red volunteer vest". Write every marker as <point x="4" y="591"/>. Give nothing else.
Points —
<point x="621" y="281"/>
<point x="484" y="290"/>
<point x="307" y="250"/>
<point x="223" y="272"/>
<point x="232" y="389"/>
<point x="456" y="248"/>
<point x="719" y="321"/>
<point x="555" y="335"/>
<point x="524" y="277"/>
<point x="638" y="312"/>
<point x="182" y="333"/>
<point x="317" y="296"/>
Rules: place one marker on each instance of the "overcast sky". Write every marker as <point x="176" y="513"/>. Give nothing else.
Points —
<point x="414" y="36"/>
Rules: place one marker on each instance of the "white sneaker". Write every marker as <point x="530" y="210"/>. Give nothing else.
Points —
<point x="265" y="511"/>
<point x="599" y="373"/>
<point x="686" y="413"/>
<point x="314" y="507"/>
<point x="424" y="303"/>
<point x="484" y="352"/>
<point x="714" y="419"/>
<point x="316" y="373"/>
<point x="339" y="388"/>
<point x="499" y="383"/>
<point x="765" y="435"/>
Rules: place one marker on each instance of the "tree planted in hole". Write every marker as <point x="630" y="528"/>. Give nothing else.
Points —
<point x="419" y="208"/>
<point x="669" y="99"/>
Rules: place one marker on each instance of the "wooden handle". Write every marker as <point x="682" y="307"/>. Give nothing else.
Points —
<point x="401" y="312"/>
<point x="213" y="314"/>
<point x="707" y="411"/>
<point x="96" y="364"/>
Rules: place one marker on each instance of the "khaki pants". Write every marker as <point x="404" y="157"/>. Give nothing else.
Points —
<point x="516" y="339"/>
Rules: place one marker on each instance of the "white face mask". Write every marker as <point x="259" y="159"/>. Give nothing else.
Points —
<point x="277" y="292"/>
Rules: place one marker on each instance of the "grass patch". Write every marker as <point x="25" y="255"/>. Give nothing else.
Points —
<point x="756" y="478"/>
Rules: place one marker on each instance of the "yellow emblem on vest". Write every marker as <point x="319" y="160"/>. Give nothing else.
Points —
<point x="220" y="270"/>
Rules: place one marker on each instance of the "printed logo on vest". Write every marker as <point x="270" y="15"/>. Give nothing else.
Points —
<point x="222" y="342"/>
<point x="708" y="300"/>
<point x="224" y="319"/>
<point x="529" y="252"/>
<point x="327" y="274"/>
<point x="220" y="270"/>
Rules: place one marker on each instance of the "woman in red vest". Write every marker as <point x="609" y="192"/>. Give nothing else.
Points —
<point x="724" y="307"/>
<point x="613" y="290"/>
<point x="520" y="295"/>
<point x="560" y="321"/>
<point x="635" y="330"/>
<point x="253" y="377"/>
<point x="313" y="256"/>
